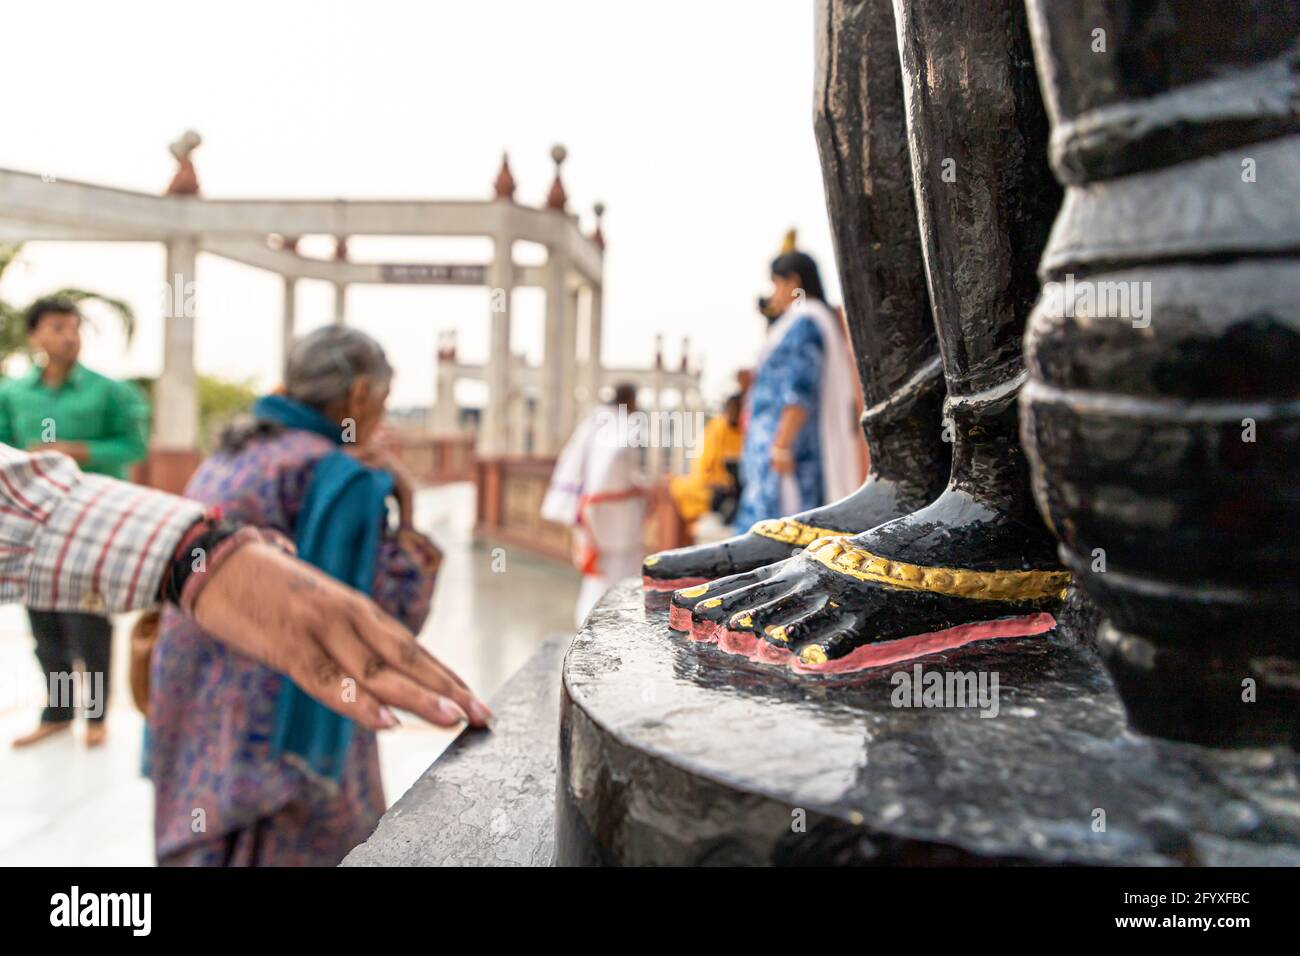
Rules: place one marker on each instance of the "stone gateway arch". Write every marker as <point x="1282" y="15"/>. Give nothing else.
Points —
<point x="542" y="402"/>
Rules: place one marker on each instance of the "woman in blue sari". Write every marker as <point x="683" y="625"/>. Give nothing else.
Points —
<point x="799" y="446"/>
<point x="248" y="770"/>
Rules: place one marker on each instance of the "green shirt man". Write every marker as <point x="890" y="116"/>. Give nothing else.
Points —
<point x="109" y="419"/>
<point x="64" y="406"/>
<point x="103" y="425"/>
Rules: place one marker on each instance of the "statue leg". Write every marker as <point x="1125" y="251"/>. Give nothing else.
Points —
<point x="862" y="140"/>
<point x="1161" y="413"/>
<point x="977" y="562"/>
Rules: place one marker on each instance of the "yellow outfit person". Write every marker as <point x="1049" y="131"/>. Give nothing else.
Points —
<point x="693" y="494"/>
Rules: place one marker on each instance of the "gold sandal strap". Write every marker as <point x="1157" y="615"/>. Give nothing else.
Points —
<point x="791" y="532"/>
<point x="841" y="557"/>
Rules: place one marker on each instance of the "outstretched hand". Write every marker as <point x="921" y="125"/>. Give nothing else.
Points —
<point x="335" y="643"/>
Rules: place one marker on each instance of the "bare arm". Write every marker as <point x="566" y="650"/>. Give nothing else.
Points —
<point x="78" y="542"/>
<point x="793" y="418"/>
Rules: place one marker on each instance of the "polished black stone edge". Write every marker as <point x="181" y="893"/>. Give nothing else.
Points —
<point x="489" y="799"/>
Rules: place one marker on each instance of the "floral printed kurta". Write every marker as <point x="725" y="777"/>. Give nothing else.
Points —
<point x="220" y="798"/>
<point x="790" y="375"/>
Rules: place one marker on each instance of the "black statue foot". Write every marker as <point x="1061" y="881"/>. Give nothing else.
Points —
<point x="775" y="540"/>
<point x="910" y="464"/>
<point x="954" y="572"/>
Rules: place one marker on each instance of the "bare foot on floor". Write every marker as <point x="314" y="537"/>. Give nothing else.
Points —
<point x="96" y="733"/>
<point x="41" y="732"/>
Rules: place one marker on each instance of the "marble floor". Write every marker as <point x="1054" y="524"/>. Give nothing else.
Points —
<point x="61" y="804"/>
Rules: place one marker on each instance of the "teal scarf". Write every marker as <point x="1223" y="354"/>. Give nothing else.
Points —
<point x="338" y="531"/>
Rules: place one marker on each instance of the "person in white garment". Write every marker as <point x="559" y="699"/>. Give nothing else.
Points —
<point x="598" y="490"/>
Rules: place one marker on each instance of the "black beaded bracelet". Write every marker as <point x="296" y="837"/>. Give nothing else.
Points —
<point x="202" y="538"/>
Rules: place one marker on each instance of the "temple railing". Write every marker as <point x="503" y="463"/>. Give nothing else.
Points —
<point x="510" y="492"/>
<point x="438" y="459"/>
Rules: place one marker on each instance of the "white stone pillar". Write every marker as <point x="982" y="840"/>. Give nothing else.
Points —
<point x="678" y="455"/>
<point x="340" y="303"/>
<point x="290" y="317"/>
<point x="595" y="377"/>
<point x="519" y="424"/>
<point x="176" y="419"/>
<point x="548" y="435"/>
<point x="569" y="377"/>
<point x="658" y="432"/>
<point x="444" y="406"/>
<point x="494" y="432"/>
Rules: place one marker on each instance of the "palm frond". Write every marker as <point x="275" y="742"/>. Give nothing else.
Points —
<point x="13" y="322"/>
<point x="13" y="331"/>
<point x="8" y="253"/>
<point x="123" y="311"/>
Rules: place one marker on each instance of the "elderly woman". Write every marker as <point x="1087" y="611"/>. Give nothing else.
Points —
<point x="247" y="769"/>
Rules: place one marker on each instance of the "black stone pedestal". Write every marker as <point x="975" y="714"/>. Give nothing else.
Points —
<point x="673" y="752"/>
<point x="489" y="800"/>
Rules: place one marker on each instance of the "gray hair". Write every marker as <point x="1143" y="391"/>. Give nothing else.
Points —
<point x="322" y="365"/>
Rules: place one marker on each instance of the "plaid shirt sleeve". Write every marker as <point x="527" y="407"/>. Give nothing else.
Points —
<point x="76" y="542"/>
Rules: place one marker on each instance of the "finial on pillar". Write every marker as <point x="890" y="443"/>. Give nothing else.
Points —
<point x="659" y="350"/>
<point x="186" y="180"/>
<point x="341" y="249"/>
<point x="557" y="199"/>
<point x="597" y="236"/>
<point x="505" y="184"/>
<point x="686" y="351"/>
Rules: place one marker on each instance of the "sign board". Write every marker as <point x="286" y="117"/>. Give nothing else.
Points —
<point x="432" y="273"/>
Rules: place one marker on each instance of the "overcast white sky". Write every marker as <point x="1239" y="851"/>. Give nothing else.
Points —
<point x="691" y="119"/>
